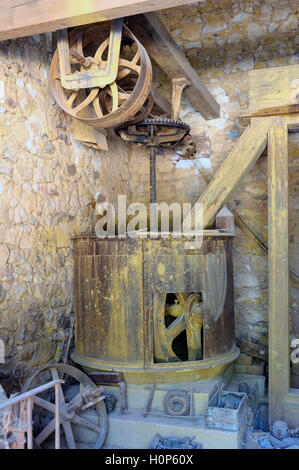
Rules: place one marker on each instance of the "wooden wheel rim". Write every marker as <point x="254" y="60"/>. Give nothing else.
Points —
<point x="84" y="380"/>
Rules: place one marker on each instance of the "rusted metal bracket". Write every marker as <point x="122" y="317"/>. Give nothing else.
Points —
<point x="95" y="73"/>
<point x="111" y="378"/>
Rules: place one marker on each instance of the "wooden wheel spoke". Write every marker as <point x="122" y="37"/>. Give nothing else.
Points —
<point x="46" y="432"/>
<point x="97" y="107"/>
<point x="100" y="51"/>
<point x="86" y="423"/>
<point x="46" y="405"/>
<point x="129" y="67"/>
<point x="129" y="64"/>
<point x="114" y="94"/>
<point x="71" y="99"/>
<point x="136" y="58"/>
<point x="123" y="96"/>
<point x="69" y="436"/>
<point x="87" y="101"/>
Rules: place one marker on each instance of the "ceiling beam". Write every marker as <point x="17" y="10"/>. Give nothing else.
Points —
<point x="23" y="18"/>
<point x="161" y="46"/>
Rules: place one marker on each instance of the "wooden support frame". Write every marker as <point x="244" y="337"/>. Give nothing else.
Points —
<point x="283" y="401"/>
<point x="273" y="112"/>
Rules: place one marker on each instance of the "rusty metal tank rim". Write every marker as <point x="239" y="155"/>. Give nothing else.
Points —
<point x="88" y="362"/>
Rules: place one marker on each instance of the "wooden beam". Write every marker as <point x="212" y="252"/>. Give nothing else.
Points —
<point x="278" y="316"/>
<point x="23" y="18"/>
<point x="157" y="40"/>
<point x="160" y="102"/>
<point x="234" y="168"/>
<point x="272" y="111"/>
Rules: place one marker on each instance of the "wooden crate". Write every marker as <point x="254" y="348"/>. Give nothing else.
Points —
<point x="226" y="418"/>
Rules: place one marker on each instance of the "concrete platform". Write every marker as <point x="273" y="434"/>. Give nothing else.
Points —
<point x="133" y="431"/>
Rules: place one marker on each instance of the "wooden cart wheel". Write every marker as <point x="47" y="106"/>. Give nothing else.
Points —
<point x="117" y="102"/>
<point x="72" y="418"/>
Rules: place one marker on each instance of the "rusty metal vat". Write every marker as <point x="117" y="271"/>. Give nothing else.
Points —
<point x="154" y="310"/>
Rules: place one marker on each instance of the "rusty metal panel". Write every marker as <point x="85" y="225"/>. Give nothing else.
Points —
<point x="109" y="323"/>
<point x="169" y="268"/>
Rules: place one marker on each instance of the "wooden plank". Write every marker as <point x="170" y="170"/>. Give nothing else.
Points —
<point x="278" y="316"/>
<point x="250" y="369"/>
<point x="90" y="136"/>
<point x="273" y="87"/>
<point x="234" y="168"/>
<point x="23" y="18"/>
<point x="157" y="40"/>
<point x="256" y="350"/>
<point x="272" y="111"/>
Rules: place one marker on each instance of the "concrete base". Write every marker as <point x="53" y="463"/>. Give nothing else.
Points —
<point x="138" y="395"/>
<point x="133" y="431"/>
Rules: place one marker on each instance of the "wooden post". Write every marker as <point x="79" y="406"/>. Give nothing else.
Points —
<point x="279" y="348"/>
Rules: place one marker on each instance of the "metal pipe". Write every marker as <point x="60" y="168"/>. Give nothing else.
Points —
<point x="153" y="179"/>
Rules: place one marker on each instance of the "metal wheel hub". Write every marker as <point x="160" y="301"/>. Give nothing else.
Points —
<point x="66" y="412"/>
<point x="177" y="402"/>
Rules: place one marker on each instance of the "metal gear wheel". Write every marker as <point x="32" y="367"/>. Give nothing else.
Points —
<point x="177" y="403"/>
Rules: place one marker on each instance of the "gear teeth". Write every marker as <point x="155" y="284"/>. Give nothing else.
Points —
<point x="159" y="122"/>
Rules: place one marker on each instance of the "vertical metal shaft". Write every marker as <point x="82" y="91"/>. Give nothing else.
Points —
<point x="153" y="187"/>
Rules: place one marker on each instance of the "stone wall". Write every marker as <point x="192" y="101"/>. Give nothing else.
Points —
<point x="47" y="179"/>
